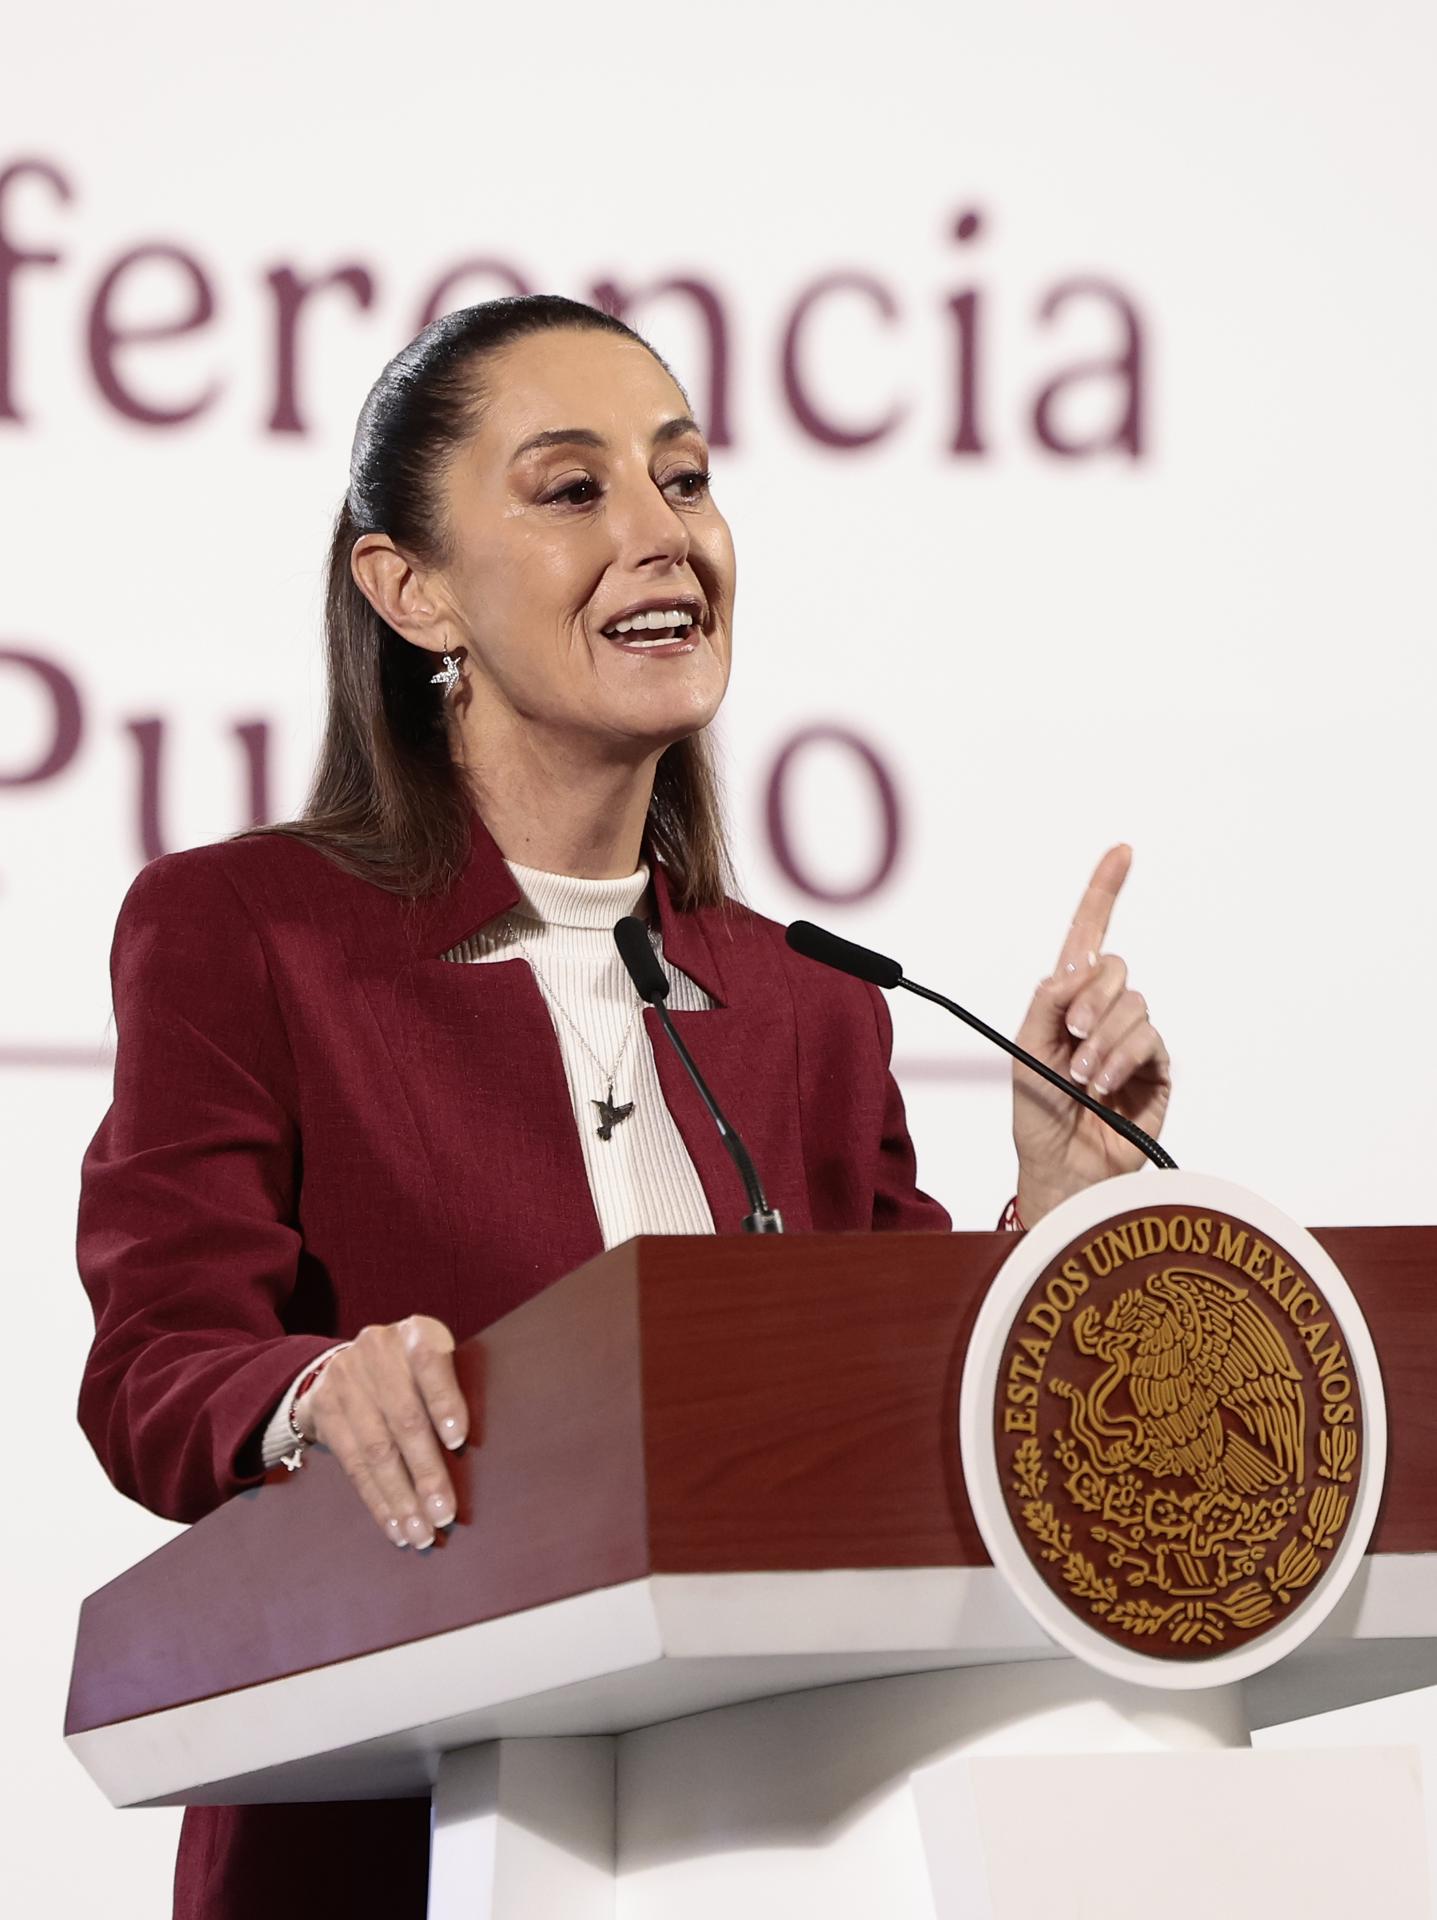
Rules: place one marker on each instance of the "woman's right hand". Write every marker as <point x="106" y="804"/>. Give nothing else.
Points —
<point x="382" y="1406"/>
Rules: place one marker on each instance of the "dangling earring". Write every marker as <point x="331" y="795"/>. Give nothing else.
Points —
<point x="450" y="676"/>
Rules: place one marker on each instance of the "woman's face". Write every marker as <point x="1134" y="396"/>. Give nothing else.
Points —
<point x="582" y="496"/>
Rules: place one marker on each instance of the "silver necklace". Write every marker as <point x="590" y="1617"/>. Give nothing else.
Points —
<point x="610" y="1112"/>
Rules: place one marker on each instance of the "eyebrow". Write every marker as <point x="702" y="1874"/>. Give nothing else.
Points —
<point x="586" y="437"/>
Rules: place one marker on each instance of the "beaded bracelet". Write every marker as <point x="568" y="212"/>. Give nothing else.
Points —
<point x="295" y="1456"/>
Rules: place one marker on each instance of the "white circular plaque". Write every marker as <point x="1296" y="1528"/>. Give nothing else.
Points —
<point x="1173" y="1429"/>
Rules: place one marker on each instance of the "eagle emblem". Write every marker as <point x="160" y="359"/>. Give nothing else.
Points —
<point x="1187" y="1349"/>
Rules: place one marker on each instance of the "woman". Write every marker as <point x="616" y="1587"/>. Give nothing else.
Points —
<point x="380" y="1075"/>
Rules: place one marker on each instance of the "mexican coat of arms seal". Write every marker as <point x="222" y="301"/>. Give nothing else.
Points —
<point x="1180" y="1412"/>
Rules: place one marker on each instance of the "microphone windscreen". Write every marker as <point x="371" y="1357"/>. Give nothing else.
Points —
<point x="631" y="937"/>
<point x="816" y="943"/>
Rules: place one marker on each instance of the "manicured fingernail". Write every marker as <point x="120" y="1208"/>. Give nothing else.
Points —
<point x="1082" y="1066"/>
<point x="395" y="1532"/>
<point x="1078" y="1026"/>
<point x="1103" y="1081"/>
<point x="450" y="1432"/>
<point x="420" y="1533"/>
<point x="440" y="1511"/>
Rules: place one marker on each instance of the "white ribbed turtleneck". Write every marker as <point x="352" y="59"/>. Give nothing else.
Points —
<point x="641" y="1177"/>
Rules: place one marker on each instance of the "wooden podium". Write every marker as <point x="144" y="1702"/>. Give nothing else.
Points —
<point x="715" y="1624"/>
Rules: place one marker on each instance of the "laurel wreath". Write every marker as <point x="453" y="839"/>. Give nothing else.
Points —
<point x="1192" y="1622"/>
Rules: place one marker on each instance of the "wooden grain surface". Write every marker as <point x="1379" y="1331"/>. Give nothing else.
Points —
<point x="1393" y="1272"/>
<point x="829" y="1436"/>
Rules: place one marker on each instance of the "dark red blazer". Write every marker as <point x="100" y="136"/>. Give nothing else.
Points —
<point x="319" y="1123"/>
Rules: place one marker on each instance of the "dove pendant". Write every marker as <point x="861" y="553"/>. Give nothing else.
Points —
<point x="610" y="1115"/>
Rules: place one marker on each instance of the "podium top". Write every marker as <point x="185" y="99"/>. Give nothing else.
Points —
<point x="685" y="1405"/>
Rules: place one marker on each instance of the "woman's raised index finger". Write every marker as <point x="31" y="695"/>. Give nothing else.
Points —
<point x="1090" y="923"/>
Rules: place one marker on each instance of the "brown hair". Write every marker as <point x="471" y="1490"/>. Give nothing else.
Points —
<point x="388" y="800"/>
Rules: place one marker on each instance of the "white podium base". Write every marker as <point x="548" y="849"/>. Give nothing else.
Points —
<point x="525" y="1827"/>
<point x="999" y="1793"/>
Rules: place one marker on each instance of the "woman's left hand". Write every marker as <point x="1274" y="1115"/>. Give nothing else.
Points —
<point x="1089" y="1024"/>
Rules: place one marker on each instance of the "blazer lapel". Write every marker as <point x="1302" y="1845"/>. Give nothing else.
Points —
<point x="482" y="1079"/>
<point x="476" y="1049"/>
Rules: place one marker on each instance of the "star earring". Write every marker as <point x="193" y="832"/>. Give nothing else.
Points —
<point x="449" y="678"/>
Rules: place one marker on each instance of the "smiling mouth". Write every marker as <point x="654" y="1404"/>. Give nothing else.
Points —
<point x="659" y="633"/>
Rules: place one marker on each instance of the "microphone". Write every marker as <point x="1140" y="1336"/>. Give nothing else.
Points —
<point x="815" y="943"/>
<point x="631" y="937"/>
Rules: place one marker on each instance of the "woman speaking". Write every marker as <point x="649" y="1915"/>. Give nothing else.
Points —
<point x="381" y="1075"/>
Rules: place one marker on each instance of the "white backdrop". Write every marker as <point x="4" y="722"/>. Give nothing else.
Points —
<point x="1205" y="626"/>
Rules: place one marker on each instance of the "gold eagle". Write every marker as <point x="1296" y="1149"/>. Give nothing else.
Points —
<point x="1188" y="1346"/>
